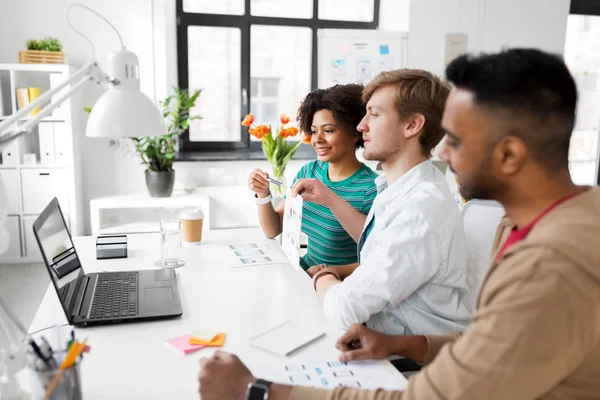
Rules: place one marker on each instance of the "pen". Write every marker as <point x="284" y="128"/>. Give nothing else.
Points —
<point x="273" y="181"/>
<point x="39" y="353"/>
<point x="47" y="352"/>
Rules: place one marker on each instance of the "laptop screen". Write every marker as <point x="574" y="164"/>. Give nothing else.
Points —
<point x="59" y="253"/>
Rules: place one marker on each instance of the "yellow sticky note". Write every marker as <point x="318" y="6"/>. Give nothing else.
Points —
<point x="217" y="341"/>
<point x="204" y="335"/>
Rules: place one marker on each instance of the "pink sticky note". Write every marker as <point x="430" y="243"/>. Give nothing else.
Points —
<point x="344" y="48"/>
<point x="181" y="343"/>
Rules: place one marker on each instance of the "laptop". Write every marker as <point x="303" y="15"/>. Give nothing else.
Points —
<point x="106" y="297"/>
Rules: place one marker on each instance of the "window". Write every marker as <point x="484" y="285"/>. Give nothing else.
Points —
<point x="254" y="56"/>
<point x="582" y="55"/>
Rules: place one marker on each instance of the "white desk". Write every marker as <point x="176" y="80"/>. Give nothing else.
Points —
<point x="133" y="361"/>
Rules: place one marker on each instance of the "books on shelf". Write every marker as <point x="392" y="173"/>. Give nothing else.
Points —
<point x="26" y="96"/>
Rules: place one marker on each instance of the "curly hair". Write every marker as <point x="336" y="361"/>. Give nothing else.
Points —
<point x="344" y="101"/>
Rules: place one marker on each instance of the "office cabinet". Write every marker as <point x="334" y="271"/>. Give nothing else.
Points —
<point x="56" y="170"/>
<point x="10" y="180"/>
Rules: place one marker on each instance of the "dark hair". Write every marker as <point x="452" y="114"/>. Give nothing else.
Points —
<point x="344" y="101"/>
<point x="417" y="92"/>
<point x="533" y="90"/>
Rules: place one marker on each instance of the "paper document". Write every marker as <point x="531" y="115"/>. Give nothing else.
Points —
<point x="331" y="374"/>
<point x="248" y="254"/>
<point x="292" y="225"/>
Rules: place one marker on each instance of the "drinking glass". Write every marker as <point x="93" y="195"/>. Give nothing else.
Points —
<point x="170" y="243"/>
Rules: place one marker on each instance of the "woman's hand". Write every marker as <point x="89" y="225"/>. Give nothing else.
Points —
<point x="258" y="183"/>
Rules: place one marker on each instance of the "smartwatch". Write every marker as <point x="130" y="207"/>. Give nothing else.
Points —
<point x="258" y="390"/>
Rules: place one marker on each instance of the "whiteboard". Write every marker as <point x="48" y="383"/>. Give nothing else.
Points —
<point x="358" y="55"/>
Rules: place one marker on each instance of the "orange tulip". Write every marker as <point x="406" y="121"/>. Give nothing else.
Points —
<point x="305" y="138"/>
<point x="284" y="119"/>
<point x="292" y="131"/>
<point x="287" y="132"/>
<point x="261" y="131"/>
<point x="248" y="120"/>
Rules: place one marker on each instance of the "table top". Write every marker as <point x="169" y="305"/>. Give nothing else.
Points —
<point x="132" y="360"/>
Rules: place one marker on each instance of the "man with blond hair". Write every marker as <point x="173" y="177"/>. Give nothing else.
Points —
<point x="412" y="271"/>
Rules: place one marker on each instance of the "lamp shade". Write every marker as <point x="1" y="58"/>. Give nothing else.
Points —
<point x="123" y="110"/>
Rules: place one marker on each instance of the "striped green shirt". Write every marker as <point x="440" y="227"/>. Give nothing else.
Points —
<point x="328" y="242"/>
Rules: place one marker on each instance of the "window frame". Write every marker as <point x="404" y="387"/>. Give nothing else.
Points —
<point x="592" y="8"/>
<point x="244" y="23"/>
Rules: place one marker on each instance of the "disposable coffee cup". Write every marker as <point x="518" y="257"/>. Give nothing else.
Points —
<point x="191" y="225"/>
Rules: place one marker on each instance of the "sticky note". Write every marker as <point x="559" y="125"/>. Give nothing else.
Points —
<point x="204" y="335"/>
<point x="182" y="343"/>
<point x="217" y="341"/>
<point x="344" y="48"/>
<point x="384" y="49"/>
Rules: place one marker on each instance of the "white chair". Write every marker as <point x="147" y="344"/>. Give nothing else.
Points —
<point x="480" y="220"/>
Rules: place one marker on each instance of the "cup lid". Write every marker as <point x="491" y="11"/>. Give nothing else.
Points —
<point x="196" y="213"/>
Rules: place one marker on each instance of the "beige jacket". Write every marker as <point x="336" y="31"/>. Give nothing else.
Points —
<point x="536" y="331"/>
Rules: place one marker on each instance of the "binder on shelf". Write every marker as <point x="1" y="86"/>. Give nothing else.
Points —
<point x="34" y="93"/>
<point x="55" y="80"/>
<point x="2" y="111"/>
<point x="22" y="97"/>
<point x="46" y="135"/>
<point x="62" y="144"/>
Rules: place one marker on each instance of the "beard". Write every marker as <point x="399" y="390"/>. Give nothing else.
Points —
<point x="382" y="155"/>
<point x="481" y="185"/>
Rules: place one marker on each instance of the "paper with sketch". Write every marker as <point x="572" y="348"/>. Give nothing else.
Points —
<point x="247" y="254"/>
<point x="292" y="225"/>
<point x="331" y="374"/>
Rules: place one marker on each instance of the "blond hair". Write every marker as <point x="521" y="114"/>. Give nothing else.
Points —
<point x="417" y="92"/>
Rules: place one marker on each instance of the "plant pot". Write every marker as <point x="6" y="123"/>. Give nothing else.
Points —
<point x="160" y="183"/>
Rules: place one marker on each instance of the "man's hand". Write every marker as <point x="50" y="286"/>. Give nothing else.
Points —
<point x="362" y="343"/>
<point x="258" y="183"/>
<point x="314" y="191"/>
<point x="223" y="377"/>
<point x="314" y="269"/>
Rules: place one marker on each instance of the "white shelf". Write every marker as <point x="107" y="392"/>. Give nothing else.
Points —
<point x="34" y="166"/>
<point x="45" y="119"/>
<point x="136" y="227"/>
<point x="35" y="67"/>
<point x="61" y="161"/>
<point x="142" y="213"/>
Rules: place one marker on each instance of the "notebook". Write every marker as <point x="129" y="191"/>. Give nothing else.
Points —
<point x="286" y="338"/>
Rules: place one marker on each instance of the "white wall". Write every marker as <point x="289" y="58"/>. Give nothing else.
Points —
<point x="489" y="24"/>
<point x="148" y="28"/>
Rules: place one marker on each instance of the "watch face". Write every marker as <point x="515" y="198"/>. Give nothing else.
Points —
<point x="258" y="392"/>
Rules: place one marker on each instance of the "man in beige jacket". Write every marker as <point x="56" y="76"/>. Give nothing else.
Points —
<point x="536" y="331"/>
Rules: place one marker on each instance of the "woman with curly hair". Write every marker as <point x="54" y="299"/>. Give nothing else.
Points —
<point x="330" y="117"/>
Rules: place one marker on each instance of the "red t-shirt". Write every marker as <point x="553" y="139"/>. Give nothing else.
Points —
<point x="519" y="234"/>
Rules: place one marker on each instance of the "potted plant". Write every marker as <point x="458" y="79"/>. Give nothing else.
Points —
<point x="45" y="51"/>
<point x="158" y="153"/>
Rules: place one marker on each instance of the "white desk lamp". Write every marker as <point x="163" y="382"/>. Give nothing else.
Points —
<point x="122" y="111"/>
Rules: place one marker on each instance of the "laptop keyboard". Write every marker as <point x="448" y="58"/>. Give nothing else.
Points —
<point x="116" y="295"/>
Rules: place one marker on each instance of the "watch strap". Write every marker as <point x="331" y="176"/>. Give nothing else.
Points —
<point x="258" y="390"/>
<point x="264" y="200"/>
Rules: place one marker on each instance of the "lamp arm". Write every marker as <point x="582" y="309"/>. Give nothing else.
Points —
<point x="89" y="72"/>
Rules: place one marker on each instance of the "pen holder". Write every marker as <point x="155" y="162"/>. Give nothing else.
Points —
<point x="58" y="384"/>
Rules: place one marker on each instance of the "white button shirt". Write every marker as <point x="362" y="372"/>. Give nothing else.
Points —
<point x="412" y="277"/>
